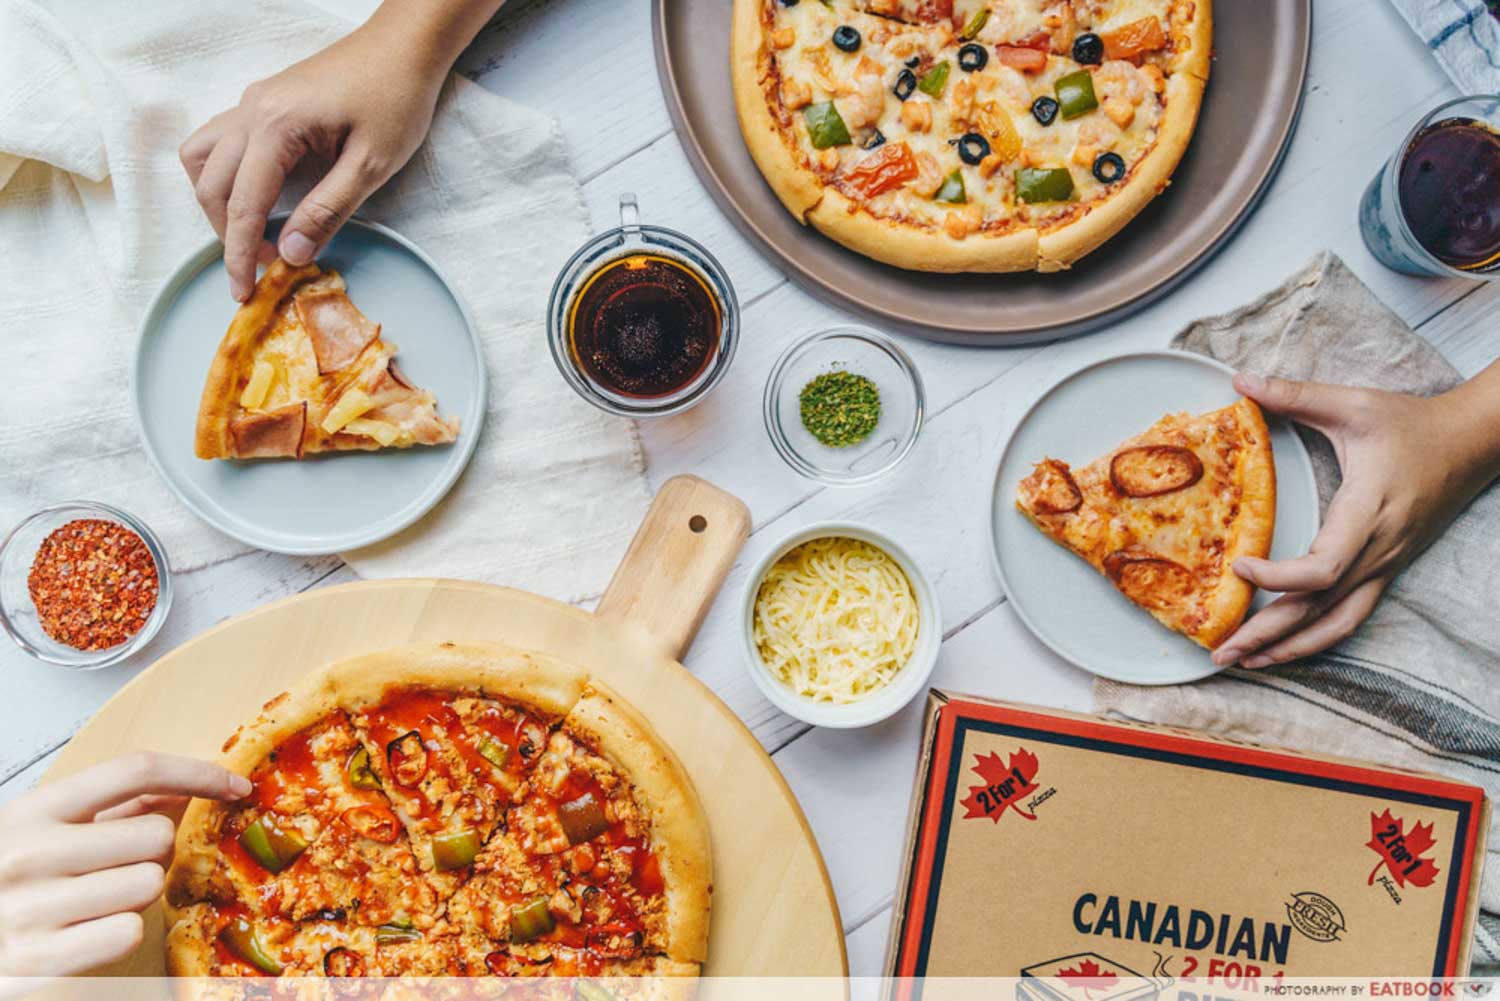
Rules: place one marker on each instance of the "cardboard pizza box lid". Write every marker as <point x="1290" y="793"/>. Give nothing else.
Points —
<point x="1056" y="846"/>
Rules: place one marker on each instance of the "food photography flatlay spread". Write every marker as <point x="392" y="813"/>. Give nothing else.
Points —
<point x="861" y="496"/>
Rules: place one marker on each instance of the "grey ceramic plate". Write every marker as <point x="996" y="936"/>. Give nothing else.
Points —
<point x="1065" y="602"/>
<point x="323" y="504"/>
<point x="1248" y="113"/>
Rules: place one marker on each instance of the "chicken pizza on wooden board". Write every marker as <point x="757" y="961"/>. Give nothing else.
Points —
<point x="969" y="135"/>
<point x="302" y="370"/>
<point x="445" y="810"/>
<point x="1165" y="514"/>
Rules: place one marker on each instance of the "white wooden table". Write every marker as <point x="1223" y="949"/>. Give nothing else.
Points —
<point x="590" y="62"/>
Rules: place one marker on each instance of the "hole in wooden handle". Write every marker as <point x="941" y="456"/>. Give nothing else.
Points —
<point x="697" y="523"/>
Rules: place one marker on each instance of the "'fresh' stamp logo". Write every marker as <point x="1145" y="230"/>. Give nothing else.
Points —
<point x="1315" y="916"/>
<point x="1005" y="786"/>
<point x="1401" y="852"/>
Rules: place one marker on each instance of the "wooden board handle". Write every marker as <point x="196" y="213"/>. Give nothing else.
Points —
<point x="676" y="563"/>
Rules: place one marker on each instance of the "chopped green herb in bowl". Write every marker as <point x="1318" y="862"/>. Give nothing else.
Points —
<point x="840" y="408"/>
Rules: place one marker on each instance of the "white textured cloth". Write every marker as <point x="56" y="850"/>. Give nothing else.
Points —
<point x="95" y="213"/>
<point x="1465" y="37"/>
<point x="1416" y="686"/>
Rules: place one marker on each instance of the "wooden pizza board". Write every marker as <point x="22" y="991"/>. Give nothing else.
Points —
<point x="774" y="913"/>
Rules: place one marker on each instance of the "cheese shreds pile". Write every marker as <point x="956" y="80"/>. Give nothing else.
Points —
<point x="835" y="619"/>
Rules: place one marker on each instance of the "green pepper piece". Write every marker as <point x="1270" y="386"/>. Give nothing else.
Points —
<point x="935" y="79"/>
<point x="976" y="24"/>
<point x="1075" y="94"/>
<point x="587" y="990"/>
<point x="391" y="933"/>
<point x="243" y="941"/>
<point x="1049" y="184"/>
<point x="531" y="920"/>
<point x="272" y="847"/>
<point x="361" y="775"/>
<point x="952" y="190"/>
<point x="494" y="752"/>
<point x="455" y="849"/>
<point x="825" y="126"/>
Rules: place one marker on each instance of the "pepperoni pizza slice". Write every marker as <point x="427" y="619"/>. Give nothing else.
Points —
<point x="302" y="370"/>
<point x="1165" y="515"/>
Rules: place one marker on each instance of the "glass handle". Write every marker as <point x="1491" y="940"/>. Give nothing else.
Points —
<point x="630" y="211"/>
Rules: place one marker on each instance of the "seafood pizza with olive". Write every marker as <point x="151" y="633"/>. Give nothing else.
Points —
<point x="449" y="810"/>
<point x="969" y="135"/>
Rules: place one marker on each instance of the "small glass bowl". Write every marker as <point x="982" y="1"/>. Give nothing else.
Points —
<point x="863" y="352"/>
<point x="17" y="613"/>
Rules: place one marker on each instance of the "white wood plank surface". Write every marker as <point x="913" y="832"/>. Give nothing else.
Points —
<point x="590" y="62"/>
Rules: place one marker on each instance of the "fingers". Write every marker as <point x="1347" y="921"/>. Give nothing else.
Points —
<point x="1315" y="404"/>
<point x="216" y="179"/>
<point x="80" y="797"/>
<point x="1333" y="627"/>
<point x="194" y="151"/>
<point x="167" y="806"/>
<point x="54" y="903"/>
<point x="74" y="849"/>
<point x="1335" y="549"/>
<point x="1285" y="615"/>
<point x="257" y="184"/>
<point x="329" y="205"/>
<point x="80" y="947"/>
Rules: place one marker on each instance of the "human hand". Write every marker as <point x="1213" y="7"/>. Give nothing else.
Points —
<point x="360" y="108"/>
<point x="1410" y="464"/>
<point x="79" y="858"/>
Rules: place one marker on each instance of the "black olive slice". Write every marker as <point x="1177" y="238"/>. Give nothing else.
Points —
<point x="972" y="148"/>
<point x="1088" y="49"/>
<point x="876" y="140"/>
<point x="914" y="62"/>
<point x="973" y="57"/>
<point x="1109" y="167"/>
<point x="1044" y="110"/>
<point x="846" y="38"/>
<point x="906" y="85"/>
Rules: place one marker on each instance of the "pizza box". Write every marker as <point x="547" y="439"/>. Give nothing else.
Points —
<point x="1066" y="849"/>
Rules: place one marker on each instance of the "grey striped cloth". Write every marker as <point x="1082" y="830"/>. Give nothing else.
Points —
<point x="1419" y="685"/>
<point x="1464" y="35"/>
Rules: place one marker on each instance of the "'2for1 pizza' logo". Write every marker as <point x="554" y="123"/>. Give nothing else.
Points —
<point x="1006" y="785"/>
<point x="1402" y="852"/>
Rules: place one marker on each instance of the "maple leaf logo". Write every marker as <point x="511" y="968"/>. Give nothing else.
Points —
<point x="1005" y="785"/>
<point x="1089" y="975"/>
<point x="1401" y="852"/>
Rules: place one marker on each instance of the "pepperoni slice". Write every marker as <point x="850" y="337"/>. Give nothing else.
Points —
<point x="1153" y="470"/>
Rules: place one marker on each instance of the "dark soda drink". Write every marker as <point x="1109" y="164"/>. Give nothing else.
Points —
<point x="1449" y="187"/>
<point x="644" y="326"/>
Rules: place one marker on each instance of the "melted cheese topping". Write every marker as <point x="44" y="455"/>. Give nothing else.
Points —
<point x="811" y="70"/>
<point x="835" y="620"/>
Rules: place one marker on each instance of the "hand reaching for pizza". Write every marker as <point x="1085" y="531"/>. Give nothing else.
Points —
<point x="358" y="108"/>
<point x="1410" y="464"/>
<point x="80" y="858"/>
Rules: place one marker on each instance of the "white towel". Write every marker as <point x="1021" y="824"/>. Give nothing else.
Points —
<point x="1465" y="37"/>
<point x="95" y="213"/>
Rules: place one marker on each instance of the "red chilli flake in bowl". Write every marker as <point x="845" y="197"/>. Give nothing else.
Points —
<point x="93" y="583"/>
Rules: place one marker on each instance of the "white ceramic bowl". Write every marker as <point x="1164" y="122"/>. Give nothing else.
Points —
<point x="909" y="681"/>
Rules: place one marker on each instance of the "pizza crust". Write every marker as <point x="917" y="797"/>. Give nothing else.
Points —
<point x="749" y="69"/>
<point x="228" y="372"/>
<point x="679" y="830"/>
<point x="1254" y="530"/>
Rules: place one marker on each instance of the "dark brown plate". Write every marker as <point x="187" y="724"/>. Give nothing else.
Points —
<point x="1248" y="113"/>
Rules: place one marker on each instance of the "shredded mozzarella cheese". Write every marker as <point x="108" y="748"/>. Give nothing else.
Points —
<point x="835" y="619"/>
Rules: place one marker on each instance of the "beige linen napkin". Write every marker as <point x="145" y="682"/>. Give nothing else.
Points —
<point x="95" y="213"/>
<point x="1419" y="685"/>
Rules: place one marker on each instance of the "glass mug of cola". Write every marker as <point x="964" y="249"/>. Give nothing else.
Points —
<point x="643" y="321"/>
<point x="1434" y="208"/>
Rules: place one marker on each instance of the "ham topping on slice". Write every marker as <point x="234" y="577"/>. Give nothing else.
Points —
<point x="275" y="434"/>
<point x="338" y="330"/>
